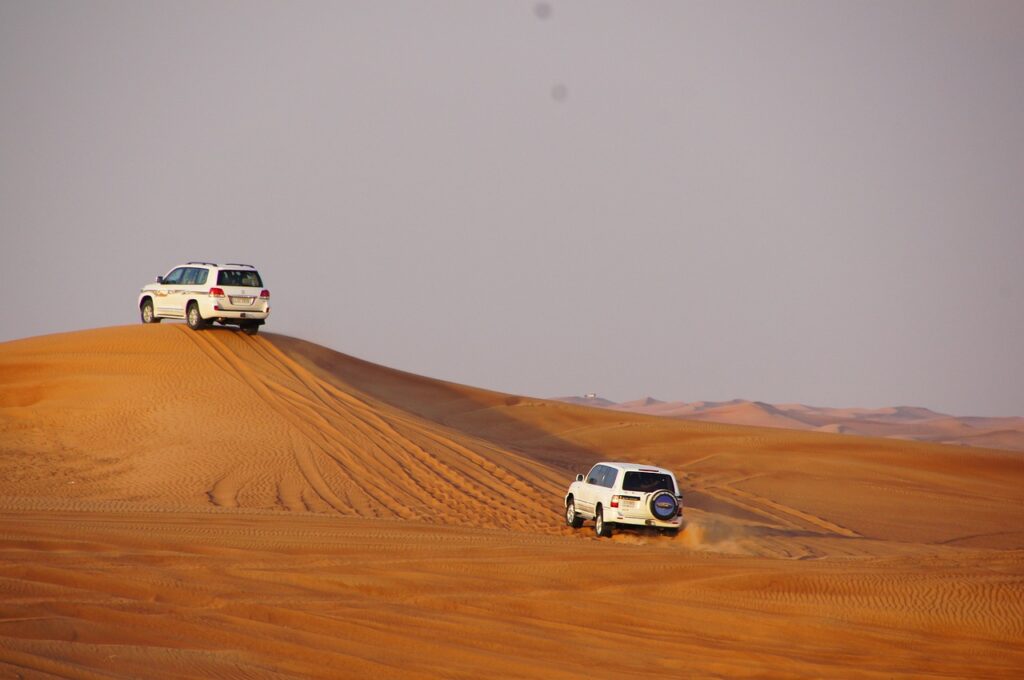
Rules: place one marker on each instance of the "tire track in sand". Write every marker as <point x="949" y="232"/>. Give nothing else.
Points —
<point x="302" y="455"/>
<point x="787" y="513"/>
<point x="425" y="477"/>
<point x="386" y="464"/>
<point x="429" y="469"/>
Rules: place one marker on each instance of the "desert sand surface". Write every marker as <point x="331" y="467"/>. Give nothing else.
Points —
<point x="208" y="504"/>
<point x="897" y="422"/>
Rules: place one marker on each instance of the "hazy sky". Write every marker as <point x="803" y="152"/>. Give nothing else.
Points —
<point x="787" y="201"/>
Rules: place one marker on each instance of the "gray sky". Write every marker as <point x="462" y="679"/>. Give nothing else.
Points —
<point x="786" y="201"/>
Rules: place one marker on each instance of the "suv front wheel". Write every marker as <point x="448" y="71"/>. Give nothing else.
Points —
<point x="147" y="313"/>
<point x="571" y="518"/>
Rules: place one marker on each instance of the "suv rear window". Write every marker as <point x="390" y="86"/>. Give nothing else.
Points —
<point x="647" y="481"/>
<point x="239" y="277"/>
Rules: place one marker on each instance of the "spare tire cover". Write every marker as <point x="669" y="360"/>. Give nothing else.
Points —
<point x="664" y="505"/>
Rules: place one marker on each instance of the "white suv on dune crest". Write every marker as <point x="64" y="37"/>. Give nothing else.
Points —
<point x="203" y="293"/>
<point x="625" y="494"/>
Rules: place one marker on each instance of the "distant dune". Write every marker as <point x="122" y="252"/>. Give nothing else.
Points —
<point x="208" y="504"/>
<point x="898" y="422"/>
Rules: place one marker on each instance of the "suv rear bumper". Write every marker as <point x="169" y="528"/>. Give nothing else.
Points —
<point x="674" y="523"/>
<point x="236" y="316"/>
<point x="211" y="311"/>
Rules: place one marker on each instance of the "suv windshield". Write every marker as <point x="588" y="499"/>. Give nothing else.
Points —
<point x="239" y="277"/>
<point x="647" y="481"/>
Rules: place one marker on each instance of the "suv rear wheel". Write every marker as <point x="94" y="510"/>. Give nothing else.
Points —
<point x="251" y="328"/>
<point x="194" y="318"/>
<point x="601" y="528"/>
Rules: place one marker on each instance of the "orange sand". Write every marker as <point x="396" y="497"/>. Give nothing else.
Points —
<point x="179" y="504"/>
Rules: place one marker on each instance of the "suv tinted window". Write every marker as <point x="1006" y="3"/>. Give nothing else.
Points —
<point x="239" y="277"/>
<point x="595" y="474"/>
<point x="647" y="481"/>
<point x="194" y="276"/>
<point x="175" y="276"/>
<point x="610" y="474"/>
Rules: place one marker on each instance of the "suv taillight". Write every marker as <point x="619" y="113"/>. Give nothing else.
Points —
<point x="217" y="292"/>
<point x="618" y="499"/>
<point x="265" y="294"/>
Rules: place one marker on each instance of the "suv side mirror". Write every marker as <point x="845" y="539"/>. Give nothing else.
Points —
<point x="159" y="279"/>
<point x="579" y="478"/>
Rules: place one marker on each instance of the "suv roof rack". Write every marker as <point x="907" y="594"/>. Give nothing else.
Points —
<point x="239" y="264"/>
<point x="211" y="264"/>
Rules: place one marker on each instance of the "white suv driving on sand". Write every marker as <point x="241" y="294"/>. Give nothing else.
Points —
<point x="625" y="494"/>
<point x="203" y="293"/>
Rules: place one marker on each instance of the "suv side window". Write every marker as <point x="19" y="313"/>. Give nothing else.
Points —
<point x="195" y="276"/>
<point x="602" y="475"/>
<point x="610" y="474"/>
<point x="175" y="276"/>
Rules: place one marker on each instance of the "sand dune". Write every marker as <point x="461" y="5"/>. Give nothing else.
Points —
<point x="178" y="419"/>
<point x="180" y="504"/>
<point x="899" y="422"/>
